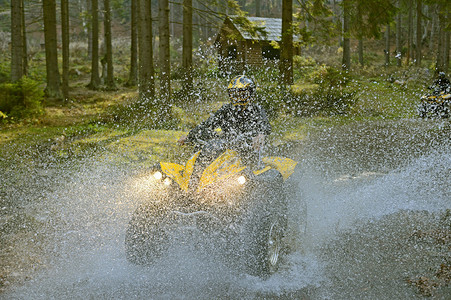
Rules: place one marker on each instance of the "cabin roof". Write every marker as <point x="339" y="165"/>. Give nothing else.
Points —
<point x="271" y="28"/>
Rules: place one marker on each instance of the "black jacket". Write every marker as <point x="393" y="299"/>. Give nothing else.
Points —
<point x="234" y="122"/>
<point x="441" y="83"/>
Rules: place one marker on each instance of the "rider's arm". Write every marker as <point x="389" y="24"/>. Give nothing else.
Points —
<point x="206" y="129"/>
<point x="264" y="129"/>
<point x="265" y="126"/>
<point x="258" y="127"/>
<point x="259" y="123"/>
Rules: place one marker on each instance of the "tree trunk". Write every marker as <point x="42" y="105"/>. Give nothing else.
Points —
<point x="65" y="45"/>
<point x="133" y="75"/>
<point x="446" y="48"/>
<point x="335" y="20"/>
<point x="89" y="26"/>
<point x="433" y="16"/>
<point x="440" y="42"/>
<point x="202" y="22"/>
<point x="164" y="48"/>
<point x="24" y="41"/>
<point x="109" y="46"/>
<point x="387" y="46"/>
<point x="360" y="34"/>
<point x="187" y="45"/>
<point x="361" y="52"/>
<point x="398" y="37"/>
<point x="446" y="52"/>
<point x="410" y="34"/>
<point x="258" y="8"/>
<point x="16" y="40"/>
<point x="53" y="88"/>
<point x="418" y="41"/>
<point x="425" y="22"/>
<point x="346" y="62"/>
<point x="95" y="77"/>
<point x="145" y="51"/>
<point x="286" y="53"/>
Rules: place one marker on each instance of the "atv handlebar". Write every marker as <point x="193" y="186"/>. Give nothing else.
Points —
<point x="242" y="141"/>
<point x="437" y="89"/>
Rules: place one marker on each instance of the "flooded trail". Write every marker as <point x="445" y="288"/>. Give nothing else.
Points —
<point x="372" y="191"/>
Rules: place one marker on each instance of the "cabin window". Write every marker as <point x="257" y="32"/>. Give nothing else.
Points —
<point x="269" y="52"/>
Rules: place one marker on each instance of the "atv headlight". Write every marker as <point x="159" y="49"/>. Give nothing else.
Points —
<point x="150" y="183"/>
<point x="157" y="175"/>
<point x="157" y="179"/>
<point x="229" y="191"/>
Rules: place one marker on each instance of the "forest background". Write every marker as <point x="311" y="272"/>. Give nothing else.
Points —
<point x="89" y="72"/>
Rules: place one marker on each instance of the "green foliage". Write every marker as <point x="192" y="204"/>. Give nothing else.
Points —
<point x="321" y="26"/>
<point x="5" y="66"/>
<point x="21" y="99"/>
<point x="142" y="114"/>
<point x="240" y="18"/>
<point x="328" y="102"/>
<point x="368" y="17"/>
<point x="319" y="91"/>
<point x="302" y="61"/>
<point x="5" y="16"/>
<point x="325" y="95"/>
<point x="329" y="77"/>
<point x="331" y="96"/>
<point x="303" y="66"/>
<point x="273" y="99"/>
<point x="121" y="9"/>
<point x="266" y="74"/>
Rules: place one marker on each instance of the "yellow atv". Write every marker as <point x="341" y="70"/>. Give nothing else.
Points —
<point x="242" y="209"/>
<point x="437" y="104"/>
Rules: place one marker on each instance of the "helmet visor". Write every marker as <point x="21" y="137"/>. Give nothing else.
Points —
<point x="239" y="96"/>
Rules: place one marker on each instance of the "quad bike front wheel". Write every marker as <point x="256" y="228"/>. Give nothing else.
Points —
<point x="445" y="111"/>
<point x="266" y="248"/>
<point x="274" y="247"/>
<point x="422" y="110"/>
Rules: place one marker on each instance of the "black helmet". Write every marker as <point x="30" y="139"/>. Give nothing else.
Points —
<point x="441" y="75"/>
<point x="241" y="89"/>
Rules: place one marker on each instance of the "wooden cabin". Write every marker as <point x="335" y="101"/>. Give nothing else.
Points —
<point x="238" y="48"/>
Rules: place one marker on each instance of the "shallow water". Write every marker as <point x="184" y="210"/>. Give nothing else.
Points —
<point x="366" y="187"/>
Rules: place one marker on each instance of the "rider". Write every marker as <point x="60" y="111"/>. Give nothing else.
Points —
<point x="442" y="83"/>
<point x="242" y="119"/>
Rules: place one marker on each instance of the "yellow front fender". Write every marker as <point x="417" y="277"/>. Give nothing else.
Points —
<point x="226" y="165"/>
<point x="282" y="164"/>
<point x="181" y="174"/>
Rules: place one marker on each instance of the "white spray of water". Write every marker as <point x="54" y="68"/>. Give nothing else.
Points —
<point x="89" y="214"/>
<point x="88" y="217"/>
<point x="422" y="185"/>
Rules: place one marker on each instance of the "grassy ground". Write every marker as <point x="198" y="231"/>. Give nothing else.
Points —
<point x="85" y="122"/>
<point x="88" y="120"/>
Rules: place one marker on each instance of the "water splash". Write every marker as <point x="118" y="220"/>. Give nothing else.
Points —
<point x="82" y="219"/>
